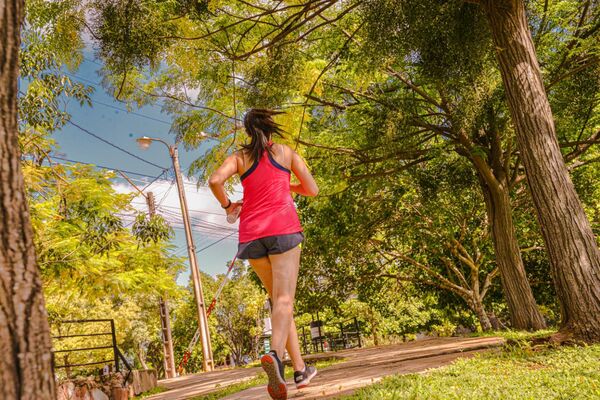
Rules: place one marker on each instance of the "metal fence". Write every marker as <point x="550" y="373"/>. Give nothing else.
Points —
<point x="116" y="359"/>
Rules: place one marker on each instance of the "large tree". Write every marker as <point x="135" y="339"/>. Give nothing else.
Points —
<point x="306" y="43"/>
<point x="449" y="92"/>
<point x="299" y="71"/>
<point x="570" y="242"/>
<point x="25" y="368"/>
<point x="423" y="228"/>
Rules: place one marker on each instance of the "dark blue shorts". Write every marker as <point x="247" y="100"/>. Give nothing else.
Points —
<point x="262" y="247"/>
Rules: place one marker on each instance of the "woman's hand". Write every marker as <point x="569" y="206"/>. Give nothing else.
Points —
<point x="234" y="205"/>
<point x="233" y="212"/>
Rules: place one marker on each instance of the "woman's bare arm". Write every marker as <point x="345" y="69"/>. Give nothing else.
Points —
<point x="307" y="185"/>
<point x="220" y="176"/>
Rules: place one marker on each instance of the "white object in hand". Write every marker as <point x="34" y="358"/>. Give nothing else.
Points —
<point x="234" y="215"/>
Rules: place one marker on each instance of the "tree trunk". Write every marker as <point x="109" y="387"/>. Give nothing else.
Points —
<point x="141" y="353"/>
<point x="25" y="365"/>
<point x="572" y="248"/>
<point x="482" y="316"/>
<point x="523" y="309"/>
<point x="374" y="327"/>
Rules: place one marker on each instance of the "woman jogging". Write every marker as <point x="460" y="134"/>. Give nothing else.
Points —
<point x="270" y="233"/>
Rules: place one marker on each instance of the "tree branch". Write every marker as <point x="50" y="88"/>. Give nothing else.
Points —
<point x="415" y="88"/>
<point x="431" y="273"/>
<point x="487" y="283"/>
<point x="393" y="171"/>
<point x="581" y="146"/>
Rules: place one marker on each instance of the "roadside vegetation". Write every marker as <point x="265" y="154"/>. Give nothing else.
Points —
<point x="514" y="373"/>
<point x="458" y="196"/>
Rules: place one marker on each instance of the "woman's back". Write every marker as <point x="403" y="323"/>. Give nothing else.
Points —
<point x="268" y="208"/>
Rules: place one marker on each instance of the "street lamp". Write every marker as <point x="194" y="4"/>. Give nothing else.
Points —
<point x="207" y="357"/>
<point x="144" y="142"/>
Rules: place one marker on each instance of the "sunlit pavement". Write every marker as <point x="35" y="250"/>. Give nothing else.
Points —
<point x="361" y="367"/>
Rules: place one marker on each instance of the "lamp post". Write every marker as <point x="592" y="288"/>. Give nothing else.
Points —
<point x="207" y="357"/>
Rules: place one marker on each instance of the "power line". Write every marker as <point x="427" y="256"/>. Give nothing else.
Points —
<point x="169" y="210"/>
<point x="98" y="85"/>
<point x="54" y="157"/>
<point x="162" y="121"/>
<point x="202" y="228"/>
<point x="195" y="185"/>
<point x="201" y="222"/>
<point x="154" y="180"/>
<point x="120" y="170"/>
<point x="173" y="218"/>
<point x="195" y="211"/>
<point x="93" y="61"/>
<point x="114" y="145"/>
<point x="80" y="78"/>
<point x="164" y="196"/>
<point x="216" y="242"/>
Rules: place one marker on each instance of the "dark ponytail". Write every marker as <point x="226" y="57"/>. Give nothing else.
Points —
<point x="260" y="126"/>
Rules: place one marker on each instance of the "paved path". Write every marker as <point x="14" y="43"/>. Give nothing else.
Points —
<point x="361" y="367"/>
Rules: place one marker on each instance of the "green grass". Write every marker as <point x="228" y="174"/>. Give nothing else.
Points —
<point x="156" y="390"/>
<point x="516" y="336"/>
<point x="516" y="373"/>
<point x="260" y="379"/>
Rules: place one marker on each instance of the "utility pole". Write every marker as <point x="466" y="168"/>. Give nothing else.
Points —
<point x="207" y="354"/>
<point x="165" y="320"/>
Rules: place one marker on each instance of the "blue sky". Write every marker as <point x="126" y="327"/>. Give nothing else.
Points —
<point x="110" y="120"/>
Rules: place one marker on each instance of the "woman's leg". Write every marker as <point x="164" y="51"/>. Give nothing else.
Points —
<point x="284" y="269"/>
<point x="293" y="347"/>
<point x="262" y="267"/>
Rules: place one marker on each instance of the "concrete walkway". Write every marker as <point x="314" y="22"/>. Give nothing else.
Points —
<point x="361" y="367"/>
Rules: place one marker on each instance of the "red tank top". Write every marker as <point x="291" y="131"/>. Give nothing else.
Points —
<point x="268" y="207"/>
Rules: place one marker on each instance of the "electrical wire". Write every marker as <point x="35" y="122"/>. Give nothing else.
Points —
<point x="162" y="121"/>
<point x="176" y="221"/>
<point x="216" y="242"/>
<point x="194" y="211"/>
<point x="98" y="85"/>
<point x="154" y="180"/>
<point x="114" y="145"/>
<point x="170" y="211"/>
<point x="54" y="157"/>
<point x="164" y="196"/>
<point x="198" y="221"/>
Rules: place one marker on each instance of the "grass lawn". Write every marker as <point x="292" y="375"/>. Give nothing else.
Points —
<point x="517" y="372"/>
<point x="260" y="379"/>
<point x="156" y="390"/>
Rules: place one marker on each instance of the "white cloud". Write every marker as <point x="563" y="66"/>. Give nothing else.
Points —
<point x="205" y="211"/>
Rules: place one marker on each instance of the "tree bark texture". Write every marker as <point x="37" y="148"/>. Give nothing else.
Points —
<point x="570" y="242"/>
<point x="523" y="309"/>
<point x="479" y="308"/>
<point x="25" y="365"/>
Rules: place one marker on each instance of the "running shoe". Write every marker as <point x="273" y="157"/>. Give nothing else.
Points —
<point x="273" y="367"/>
<point x="303" y="378"/>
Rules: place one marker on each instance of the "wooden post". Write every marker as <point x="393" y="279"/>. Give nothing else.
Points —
<point x="165" y="321"/>
<point x="207" y="355"/>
